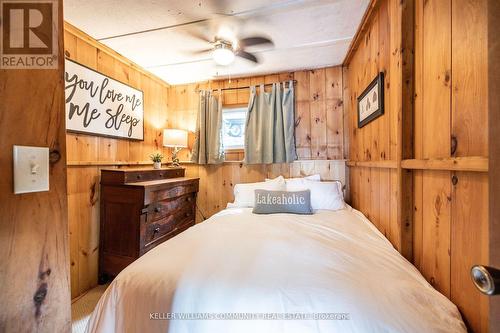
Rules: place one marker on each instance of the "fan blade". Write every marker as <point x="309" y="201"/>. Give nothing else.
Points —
<point x="248" y="56"/>
<point x="199" y="36"/>
<point x="250" y="41"/>
<point x="200" y="51"/>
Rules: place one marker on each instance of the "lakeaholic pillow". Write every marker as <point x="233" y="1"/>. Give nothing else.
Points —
<point x="324" y="195"/>
<point x="271" y="202"/>
<point x="244" y="194"/>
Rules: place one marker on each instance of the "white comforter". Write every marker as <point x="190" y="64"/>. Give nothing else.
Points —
<point x="238" y="262"/>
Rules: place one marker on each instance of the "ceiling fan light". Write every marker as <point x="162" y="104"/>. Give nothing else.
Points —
<point x="223" y="56"/>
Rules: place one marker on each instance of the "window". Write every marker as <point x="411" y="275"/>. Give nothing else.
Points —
<point x="233" y="127"/>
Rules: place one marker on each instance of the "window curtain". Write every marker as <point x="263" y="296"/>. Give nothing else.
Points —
<point x="208" y="148"/>
<point x="270" y="125"/>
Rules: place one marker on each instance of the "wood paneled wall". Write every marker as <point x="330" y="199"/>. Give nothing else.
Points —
<point x="319" y="132"/>
<point x="87" y="155"/>
<point x="451" y="121"/>
<point x="443" y="144"/>
<point x="319" y="108"/>
<point x="375" y="151"/>
<point x="34" y="269"/>
<point x="86" y="149"/>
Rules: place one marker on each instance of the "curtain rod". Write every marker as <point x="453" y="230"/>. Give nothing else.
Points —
<point x="248" y="87"/>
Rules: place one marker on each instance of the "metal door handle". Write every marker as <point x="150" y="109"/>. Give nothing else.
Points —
<point x="486" y="279"/>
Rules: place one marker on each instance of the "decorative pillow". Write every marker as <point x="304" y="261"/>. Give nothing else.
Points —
<point x="271" y="202"/>
<point x="244" y="194"/>
<point x="324" y="195"/>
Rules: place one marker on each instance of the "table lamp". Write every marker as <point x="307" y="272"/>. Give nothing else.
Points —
<point x="177" y="139"/>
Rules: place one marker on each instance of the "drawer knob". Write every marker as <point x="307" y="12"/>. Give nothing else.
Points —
<point x="157" y="209"/>
<point x="138" y="176"/>
<point x="156" y="230"/>
<point x="161" y="175"/>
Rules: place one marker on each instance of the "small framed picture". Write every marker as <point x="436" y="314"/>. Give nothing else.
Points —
<point x="371" y="101"/>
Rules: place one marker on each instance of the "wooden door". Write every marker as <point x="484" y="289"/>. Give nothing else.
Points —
<point x="34" y="256"/>
<point x="494" y="152"/>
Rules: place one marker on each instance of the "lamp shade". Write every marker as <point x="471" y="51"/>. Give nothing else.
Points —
<point x="175" y="138"/>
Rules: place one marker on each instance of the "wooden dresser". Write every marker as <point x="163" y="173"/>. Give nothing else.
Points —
<point x="141" y="208"/>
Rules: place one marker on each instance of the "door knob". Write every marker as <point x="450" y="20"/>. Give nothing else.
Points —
<point x="486" y="279"/>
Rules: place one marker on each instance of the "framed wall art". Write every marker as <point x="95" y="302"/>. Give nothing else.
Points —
<point x="371" y="101"/>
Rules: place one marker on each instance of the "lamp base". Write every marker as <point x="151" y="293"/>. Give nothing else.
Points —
<point x="175" y="159"/>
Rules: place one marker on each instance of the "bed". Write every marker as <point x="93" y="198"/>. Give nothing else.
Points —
<point x="332" y="271"/>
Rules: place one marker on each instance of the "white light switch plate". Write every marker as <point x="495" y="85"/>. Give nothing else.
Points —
<point x="31" y="169"/>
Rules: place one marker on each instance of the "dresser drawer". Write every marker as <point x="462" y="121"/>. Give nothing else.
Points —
<point x="172" y="192"/>
<point x="160" y="209"/>
<point x="142" y="176"/>
<point x="184" y="225"/>
<point x="167" y="227"/>
<point x="124" y="176"/>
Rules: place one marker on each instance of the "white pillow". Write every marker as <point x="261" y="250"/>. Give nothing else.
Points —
<point x="315" y="177"/>
<point x="324" y="195"/>
<point x="244" y="194"/>
<point x="292" y="182"/>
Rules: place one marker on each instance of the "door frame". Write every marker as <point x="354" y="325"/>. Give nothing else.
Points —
<point x="494" y="152"/>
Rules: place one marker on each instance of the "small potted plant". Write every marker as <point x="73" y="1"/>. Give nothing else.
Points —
<point x="156" y="158"/>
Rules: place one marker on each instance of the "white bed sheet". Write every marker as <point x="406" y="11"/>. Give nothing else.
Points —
<point x="238" y="262"/>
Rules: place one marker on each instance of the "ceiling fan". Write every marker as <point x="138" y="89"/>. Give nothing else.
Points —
<point x="224" y="50"/>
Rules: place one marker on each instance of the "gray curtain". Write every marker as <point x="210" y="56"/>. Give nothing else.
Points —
<point x="208" y="148"/>
<point x="270" y="125"/>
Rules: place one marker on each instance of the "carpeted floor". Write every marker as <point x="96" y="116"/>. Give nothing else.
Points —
<point x="83" y="307"/>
